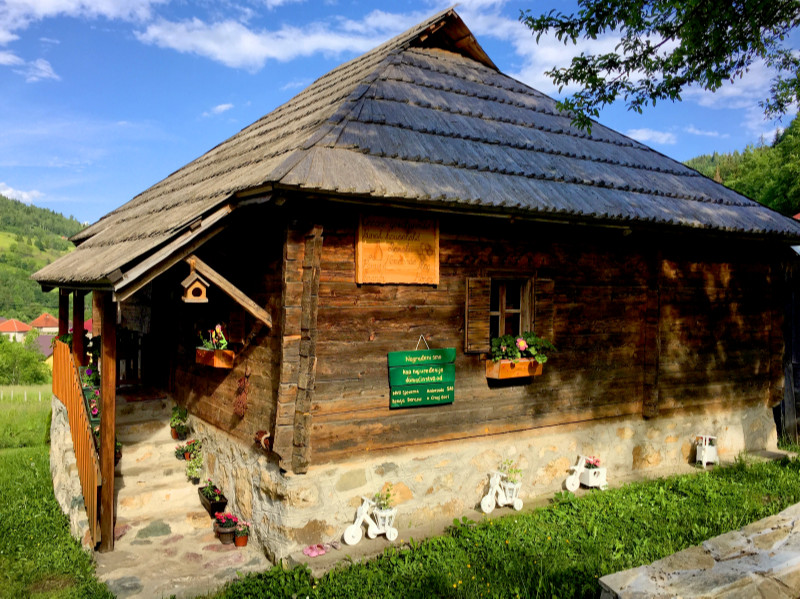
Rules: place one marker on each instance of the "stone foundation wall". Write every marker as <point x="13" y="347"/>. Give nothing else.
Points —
<point x="64" y="472"/>
<point x="442" y="481"/>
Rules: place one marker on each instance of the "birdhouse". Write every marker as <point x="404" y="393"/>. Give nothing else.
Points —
<point x="194" y="289"/>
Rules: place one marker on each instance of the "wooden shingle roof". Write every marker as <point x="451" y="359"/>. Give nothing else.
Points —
<point x="425" y="118"/>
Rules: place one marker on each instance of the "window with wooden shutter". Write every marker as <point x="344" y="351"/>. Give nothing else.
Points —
<point x="476" y="329"/>
<point x="497" y="306"/>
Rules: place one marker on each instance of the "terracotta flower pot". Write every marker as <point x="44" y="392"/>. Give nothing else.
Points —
<point x="187" y="455"/>
<point x="173" y="432"/>
<point x="241" y="541"/>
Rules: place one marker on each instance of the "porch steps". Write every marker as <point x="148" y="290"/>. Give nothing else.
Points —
<point x="165" y="542"/>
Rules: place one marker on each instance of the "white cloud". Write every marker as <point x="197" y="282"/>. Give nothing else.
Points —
<point x="653" y="136"/>
<point x="695" y="131"/>
<point x="16" y="15"/>
<point x="234" y="45"/>
<point x="49" y="40"/>
<point x="218" y="109"/>
<point x="296" y="84"/>
<point x="17" y="194"/>
<point x="9" y="59"/>
<point x="37" y="70"/>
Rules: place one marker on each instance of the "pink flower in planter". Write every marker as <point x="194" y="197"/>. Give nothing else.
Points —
<point x="94" y="411"/>
<point x="521" y="344"/>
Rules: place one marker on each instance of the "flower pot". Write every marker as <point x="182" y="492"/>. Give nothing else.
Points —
<point x="225" y="534"/>
<point x="216" y="358"/>
<point x="384" y="518"/>
<point x="510" y="489"/>
<point x="117" y="457"/>
<point x="593" y="477"/>
<point x="212" y="507"/>
<point x="509" y="369"/>
<point x="195" y="480"/>
<point x="241" y="541"/>
<point x="187" y="455"/>
<point x="173" y="432"/>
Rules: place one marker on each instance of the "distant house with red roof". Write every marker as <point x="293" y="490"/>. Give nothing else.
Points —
<point x="14" y="329"/>
<point x="47" y="324"/>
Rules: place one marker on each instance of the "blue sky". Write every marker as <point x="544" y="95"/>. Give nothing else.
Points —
<point x="100" y="99"/>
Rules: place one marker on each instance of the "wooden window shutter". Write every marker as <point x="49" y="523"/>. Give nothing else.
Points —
<point x="544" y="309"/>
<point x="476" y="326"/>
<point x="526" y="316"/>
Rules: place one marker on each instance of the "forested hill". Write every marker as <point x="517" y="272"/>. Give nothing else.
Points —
<point x="769" y="174"/>
<point x="30" y="238"/>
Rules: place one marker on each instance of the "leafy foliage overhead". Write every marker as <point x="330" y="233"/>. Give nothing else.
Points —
<point x="769" y="174"/>
<point x="667" y="45"/>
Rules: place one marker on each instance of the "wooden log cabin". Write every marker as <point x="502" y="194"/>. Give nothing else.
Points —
<point x="418" y="192"/>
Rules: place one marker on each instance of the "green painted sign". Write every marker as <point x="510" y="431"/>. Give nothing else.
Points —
<point x="421" y="395"/>
<point x="419" y="357"/>
<point x="422" y="377"/>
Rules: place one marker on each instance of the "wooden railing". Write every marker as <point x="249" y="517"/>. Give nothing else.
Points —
<point x="67" y="388"/>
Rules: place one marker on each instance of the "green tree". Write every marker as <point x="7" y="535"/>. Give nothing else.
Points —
<point x="22" y="363"/>
<point x="667" y="45"/>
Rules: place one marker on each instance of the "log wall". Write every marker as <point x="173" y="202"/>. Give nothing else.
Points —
<point x="642" y="327"/>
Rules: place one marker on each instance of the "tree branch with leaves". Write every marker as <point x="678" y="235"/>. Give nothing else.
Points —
<point x="668" y="45"/>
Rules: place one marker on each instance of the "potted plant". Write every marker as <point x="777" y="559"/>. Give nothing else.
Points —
<point x="225" y="526"/>
<point x="517" y="356"/>
<point x="181" y="452"/>
<point x="177" y="422"/>
<point x="384" y="511"/>
<point x="212" y="498"/>
<point x="90" y="377"/>
<point x="511" y="482"/>
<point x="214" y="350"/>
<point x="191" y="449"/>
<point x="241" y="534"/>
<point x="193" y="468"/>
<point x="92" y="401"/>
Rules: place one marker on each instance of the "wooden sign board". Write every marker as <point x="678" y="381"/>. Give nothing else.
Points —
<point x="422" y="395"/>
<point x="445" y="355"/>
<point x="422" y="377"/>
<point x="397" y="250"/>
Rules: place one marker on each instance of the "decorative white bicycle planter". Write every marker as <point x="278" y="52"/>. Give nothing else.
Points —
<point x="589" y="477"/>
<point x="382" y="524"/>
<point x="501" y="492"/>
<point x="706" y="446"/>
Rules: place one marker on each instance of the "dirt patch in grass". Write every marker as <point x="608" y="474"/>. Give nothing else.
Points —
<point x="51" y="583"/>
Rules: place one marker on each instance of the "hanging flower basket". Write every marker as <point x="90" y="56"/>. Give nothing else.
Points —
<point x="512" y="369"/>
<point x="216" y="358"/>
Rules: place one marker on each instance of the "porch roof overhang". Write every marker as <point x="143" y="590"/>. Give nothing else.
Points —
<point x="164" y="252"/>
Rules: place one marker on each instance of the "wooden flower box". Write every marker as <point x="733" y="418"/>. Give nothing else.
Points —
<point x="212" y="507"/>
<point x="216" y="358"/>
<point x="509" y="369"/>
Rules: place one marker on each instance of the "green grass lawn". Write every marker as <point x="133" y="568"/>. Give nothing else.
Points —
<point x="557" y="551"/>
<point x="38" y="557"/>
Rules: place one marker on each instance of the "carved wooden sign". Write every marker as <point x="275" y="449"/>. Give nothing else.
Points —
<point x="422" y="377"/>
<point x="397" y="250"/>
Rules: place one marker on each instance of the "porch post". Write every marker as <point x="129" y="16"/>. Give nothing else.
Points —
<point x="78" y="349"/>
<point x="108" y="426"/>
<point x="63" y="312"/>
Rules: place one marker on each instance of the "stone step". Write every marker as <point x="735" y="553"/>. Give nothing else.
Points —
<point x="141" y="498"/>
<point x="138" y="411"/>
<point x="147" y="431"/>
<point x="150" y="457"/>
<point x="193" y="520"/>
